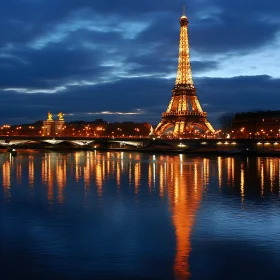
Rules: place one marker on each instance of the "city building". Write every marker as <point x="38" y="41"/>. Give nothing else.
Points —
<point x="261" y="124"/>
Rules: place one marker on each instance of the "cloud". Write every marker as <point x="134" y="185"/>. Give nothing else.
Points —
<point x="201" y="66"/>
<point x="232" y="34"/>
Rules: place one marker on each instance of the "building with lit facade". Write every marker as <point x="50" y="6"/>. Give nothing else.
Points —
<point x="262" y="124"/>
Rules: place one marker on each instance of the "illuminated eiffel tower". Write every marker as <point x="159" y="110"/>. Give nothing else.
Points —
<point x="184" y="111"/>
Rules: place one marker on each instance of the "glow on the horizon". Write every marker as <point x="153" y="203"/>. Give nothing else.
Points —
<point x="115" y="113"/>
<point x="136" y="112"/>
<point x="263" y="61"/>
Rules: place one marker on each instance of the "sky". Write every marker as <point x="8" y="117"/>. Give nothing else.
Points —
<point x="117" y="60"/>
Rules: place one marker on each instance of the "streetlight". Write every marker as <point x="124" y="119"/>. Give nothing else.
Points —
<point x="242" y="130"/>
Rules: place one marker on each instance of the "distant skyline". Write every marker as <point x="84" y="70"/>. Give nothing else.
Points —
<point x="117" y="60"/>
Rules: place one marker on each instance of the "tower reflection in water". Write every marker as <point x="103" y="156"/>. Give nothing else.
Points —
<point x="182" y="180"/>
<point x="185" y="182"/>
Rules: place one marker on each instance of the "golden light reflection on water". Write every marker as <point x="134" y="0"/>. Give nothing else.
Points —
<point x="150" y="177"/>
<point x="87" y="173"/>
<point x="228" y="167"/>
<point x="130" y="173"/>
<point x="271" y="174"/>
<point x="60" y="177"/>
<point x="31" y="171"/>
<point x="118" y="175"/>
<point x="220" y="171"/>
<point x="180" y="179"/>
<point x="6" y="171"/>
<point x="98" y="178"/>
<point x="232" y="171"/>
<point x="205" y="171"/>
<point x="162" y="179"/>
<point x="242" y="182"/>
<point x="137" y="176"/>
<point x="262" y="178"/>
<point x="185" y="187"/>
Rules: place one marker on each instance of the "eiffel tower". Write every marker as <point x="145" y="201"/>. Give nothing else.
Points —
<point x="184" y="111"/>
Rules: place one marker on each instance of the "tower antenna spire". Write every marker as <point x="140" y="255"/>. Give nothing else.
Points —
<point x="184" y="10"/>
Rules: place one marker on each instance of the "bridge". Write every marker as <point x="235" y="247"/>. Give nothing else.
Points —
<point x="8" y="141"/>
<point x="141" y="143"/>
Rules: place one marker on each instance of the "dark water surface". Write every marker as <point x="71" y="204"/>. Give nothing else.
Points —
<point x="114" y="215"/>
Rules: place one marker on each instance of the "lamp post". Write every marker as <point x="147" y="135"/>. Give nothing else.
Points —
<point x="242" y="130"/>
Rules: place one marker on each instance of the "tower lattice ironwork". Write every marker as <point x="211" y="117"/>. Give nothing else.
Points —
<point x="184" y="111"/>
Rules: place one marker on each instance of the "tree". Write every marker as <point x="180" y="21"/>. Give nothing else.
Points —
<point x="226" y="122"/>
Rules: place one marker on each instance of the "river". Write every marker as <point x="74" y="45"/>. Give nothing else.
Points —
<point x="119" y="215"/>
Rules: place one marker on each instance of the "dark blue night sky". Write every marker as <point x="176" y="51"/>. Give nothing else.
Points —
<point x="117" y="60"/>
